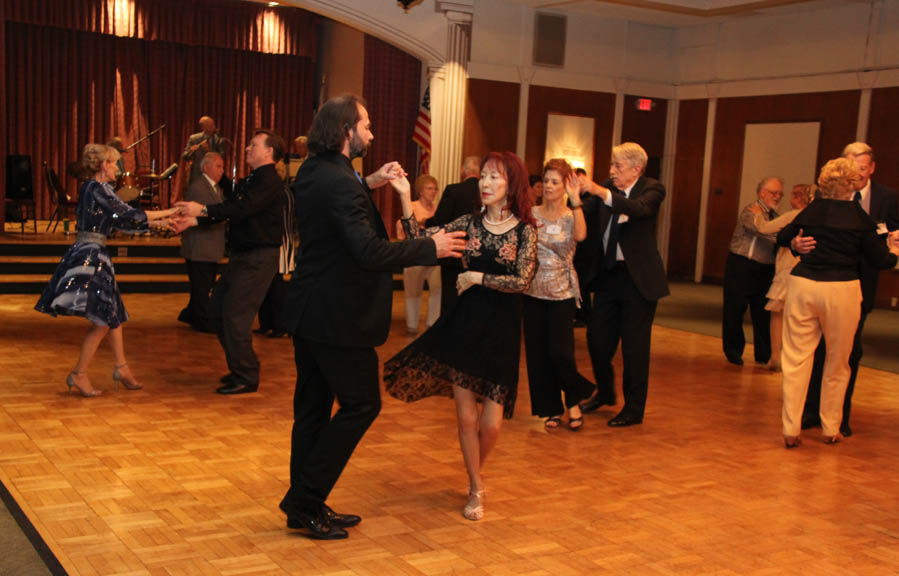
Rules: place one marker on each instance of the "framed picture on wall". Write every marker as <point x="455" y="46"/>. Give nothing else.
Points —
<point x="570" y="137"/>
<point x="788" y="150"/>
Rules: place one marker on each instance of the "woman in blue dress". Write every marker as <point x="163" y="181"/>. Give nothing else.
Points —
<point x="84" y="282"/>
<point x="472" y="352"/>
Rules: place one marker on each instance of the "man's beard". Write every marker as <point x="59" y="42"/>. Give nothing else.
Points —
<point x="358" y="149"/>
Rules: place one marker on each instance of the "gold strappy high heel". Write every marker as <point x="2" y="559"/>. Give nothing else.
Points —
<point x="117" y="377"/>
<point x="70" y="382"/>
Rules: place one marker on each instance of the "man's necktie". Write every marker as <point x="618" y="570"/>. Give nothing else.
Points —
<point x="857" y="197"/>
<point x="611" y="255"/>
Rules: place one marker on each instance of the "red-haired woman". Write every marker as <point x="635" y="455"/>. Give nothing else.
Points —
<point x="552" y="299"/>
<point x="473" y="351"/>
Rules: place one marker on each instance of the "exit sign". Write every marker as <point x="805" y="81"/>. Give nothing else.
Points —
<point x="645" y="104"/>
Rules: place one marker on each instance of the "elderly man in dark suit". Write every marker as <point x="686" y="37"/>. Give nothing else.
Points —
<point x="203" y="247"/>
<point x="882" y="204"/>
<point x="457" y="200"/>
<point x="338" y="308"/>
<point x="627" y="279"/>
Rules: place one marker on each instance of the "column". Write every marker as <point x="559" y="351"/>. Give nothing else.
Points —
<point x="706" y="177"/>
<point x="668" y="159"/>
<point x="525" y="75"/>
<point x="446" y="143"/>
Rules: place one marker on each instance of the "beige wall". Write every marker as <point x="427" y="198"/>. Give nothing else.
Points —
<point x="342" y="54"/>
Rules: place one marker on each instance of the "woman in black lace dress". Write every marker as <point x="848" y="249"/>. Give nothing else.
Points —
<point x="472" y="352"/>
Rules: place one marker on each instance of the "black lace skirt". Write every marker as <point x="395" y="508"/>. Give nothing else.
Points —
<point x="476" y="346"/>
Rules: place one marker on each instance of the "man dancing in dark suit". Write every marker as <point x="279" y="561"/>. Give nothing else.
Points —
<point x="627" y="279"/>
<point x="338" y="308"/>
<point x="256" y="215"/>
<point x="882" y="204"/>
<point x="457" y="200"/>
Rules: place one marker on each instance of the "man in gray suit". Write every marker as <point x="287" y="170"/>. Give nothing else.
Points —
<point x="202" y="247"/>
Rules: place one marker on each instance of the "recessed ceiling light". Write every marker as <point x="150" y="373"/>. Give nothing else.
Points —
<point x="272" y="4"/>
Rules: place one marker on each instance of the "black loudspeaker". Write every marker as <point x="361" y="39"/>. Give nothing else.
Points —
<point x="549" y="39"/>
<point x="19" y="180"/>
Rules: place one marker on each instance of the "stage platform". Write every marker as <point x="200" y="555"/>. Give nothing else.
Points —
<point x="143" y="263"/>
<point x="175" y="479"/>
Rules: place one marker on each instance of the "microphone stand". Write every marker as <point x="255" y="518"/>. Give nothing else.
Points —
<point x="136" y="142"/>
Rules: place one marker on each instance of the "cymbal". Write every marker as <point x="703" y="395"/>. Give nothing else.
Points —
<point x="151" y="176"/>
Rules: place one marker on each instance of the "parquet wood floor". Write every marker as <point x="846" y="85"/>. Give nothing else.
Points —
<point x="175" y="480"/>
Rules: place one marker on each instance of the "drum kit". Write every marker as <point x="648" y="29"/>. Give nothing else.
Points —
<point x="136" y="188"/>
<point x="142" y="187"/>
<point x="126" y="187"/>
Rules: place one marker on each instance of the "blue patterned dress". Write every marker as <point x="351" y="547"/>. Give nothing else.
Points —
<point x="84" y="282"/>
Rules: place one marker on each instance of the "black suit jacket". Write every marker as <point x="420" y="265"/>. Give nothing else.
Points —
<point x="884" y="208"/>
<point x="342" y="291"/>
<point x="457" y="200"/>
<point x="637" y="236"/>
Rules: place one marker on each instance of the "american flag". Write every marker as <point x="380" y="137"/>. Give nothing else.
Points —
<point x="422" y="133"/>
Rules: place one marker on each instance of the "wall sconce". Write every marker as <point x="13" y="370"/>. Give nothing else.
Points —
<point x="406" y="4"/>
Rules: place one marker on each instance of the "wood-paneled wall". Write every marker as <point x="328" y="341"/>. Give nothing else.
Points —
<point x="491" y="117"/>
<point x="685" y="196"/>
<point x="836" y="111"/>
<point x="883" y="136"/>
<point x="543" y="100"/>
<point x="646" y="128"/>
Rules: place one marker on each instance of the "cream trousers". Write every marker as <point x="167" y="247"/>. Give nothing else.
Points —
<point x="813" y="309"/>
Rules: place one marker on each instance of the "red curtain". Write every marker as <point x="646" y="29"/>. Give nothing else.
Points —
<point x="79" y="71"/>
<point x="237" y="25"/>
<point x="390" y="86"/>
<point x="66" y="88"/>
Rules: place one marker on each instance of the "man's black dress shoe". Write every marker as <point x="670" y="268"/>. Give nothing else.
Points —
<point x="597" y="402"/>
<point x="845" y="430"/>
<point x="341" y="520"/>
<point x="316" y="527"/>
<point x="735" y="360"/>
<point x="234" y="388"/>
<point x="227" y="378"/>
<point x="624" y="420"/>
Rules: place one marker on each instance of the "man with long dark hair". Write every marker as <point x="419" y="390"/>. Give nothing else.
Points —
<point x="339" y="308"/>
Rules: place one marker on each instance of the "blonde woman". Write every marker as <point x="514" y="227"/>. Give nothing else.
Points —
<point x="84" y="282"/>
<point x="824" y="295"/>
<point x="414" y="276"/>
